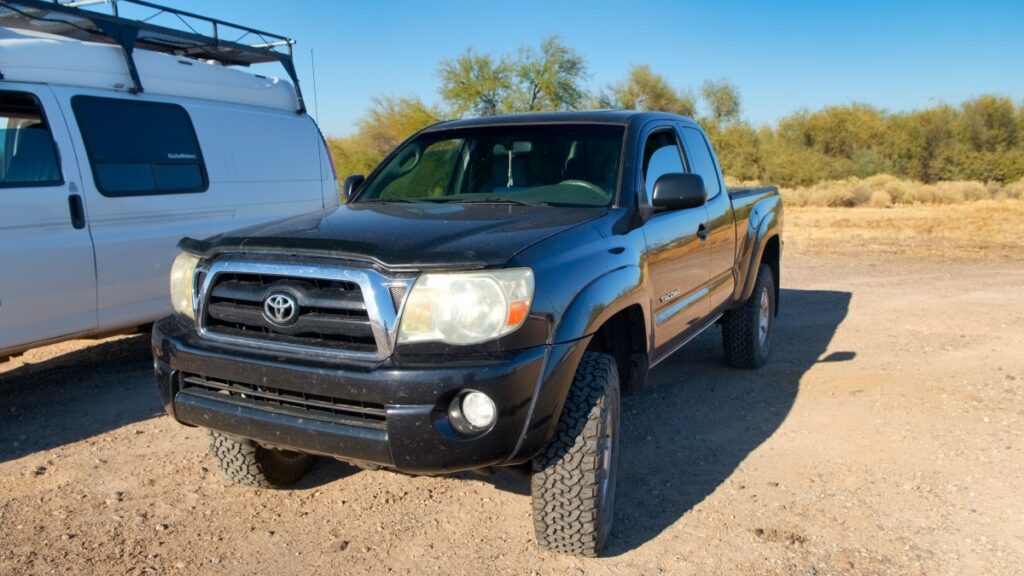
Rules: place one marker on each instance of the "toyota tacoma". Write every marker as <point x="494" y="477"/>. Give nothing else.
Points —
<point x="480" y="301"/>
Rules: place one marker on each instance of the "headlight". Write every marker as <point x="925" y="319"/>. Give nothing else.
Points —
<point x="183" y="284"/>
<point x="467" y="307"/>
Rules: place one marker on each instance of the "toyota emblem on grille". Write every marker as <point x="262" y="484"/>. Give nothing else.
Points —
<point x="280" y="309"/>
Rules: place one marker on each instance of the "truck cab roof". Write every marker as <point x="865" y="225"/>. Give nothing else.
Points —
<point x="623" y="117"/>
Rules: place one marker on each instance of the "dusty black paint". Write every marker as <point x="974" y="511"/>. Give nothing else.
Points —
<point x="679" y="269"/>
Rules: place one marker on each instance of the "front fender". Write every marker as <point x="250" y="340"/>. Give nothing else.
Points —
<point x="599" y="300"/>
<point x="592" y="306"/>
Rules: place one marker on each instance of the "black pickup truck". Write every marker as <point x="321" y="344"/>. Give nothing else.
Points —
<point x="480" y="301"/>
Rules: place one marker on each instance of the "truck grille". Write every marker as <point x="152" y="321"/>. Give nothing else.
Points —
<point x="336" y="410"/>
<point x="330" y="313"/>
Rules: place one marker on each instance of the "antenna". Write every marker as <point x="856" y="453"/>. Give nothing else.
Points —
<point x="316" y="101"/>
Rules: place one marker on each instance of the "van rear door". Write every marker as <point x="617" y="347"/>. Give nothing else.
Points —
<point x="47" y="267"/>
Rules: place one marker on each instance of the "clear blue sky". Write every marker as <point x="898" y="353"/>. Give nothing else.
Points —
<point x="782" y="55"/>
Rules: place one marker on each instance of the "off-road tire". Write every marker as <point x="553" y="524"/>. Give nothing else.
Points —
<point x="572" y="505"/>
<point x="741" y="328"/>
<point x="247" y="463"/>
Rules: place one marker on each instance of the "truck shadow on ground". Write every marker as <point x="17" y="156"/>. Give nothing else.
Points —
<point x="697" y="420"/>
<point x="77" y="395"/>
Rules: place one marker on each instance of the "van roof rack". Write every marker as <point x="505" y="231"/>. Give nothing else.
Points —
<point x="227" y="43"/>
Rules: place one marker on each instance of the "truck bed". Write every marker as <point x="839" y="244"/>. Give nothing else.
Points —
<point x="744" y="199"/>
<point x="743" y="195"/>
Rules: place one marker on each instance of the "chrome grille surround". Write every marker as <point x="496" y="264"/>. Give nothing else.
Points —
<point x="377" y="291"/>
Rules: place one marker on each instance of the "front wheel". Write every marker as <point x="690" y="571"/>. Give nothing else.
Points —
<point x="747" y="330"/>
<point x="248" y="463"/>
<point x="573" y="483"/>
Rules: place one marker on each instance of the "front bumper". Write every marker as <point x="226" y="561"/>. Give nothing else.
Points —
<point x="411" y="434"/>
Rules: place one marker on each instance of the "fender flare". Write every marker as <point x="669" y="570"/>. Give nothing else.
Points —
<point x="601" y="299"/>
<point x="598" y="301"/>
<point x="766" y="229"/>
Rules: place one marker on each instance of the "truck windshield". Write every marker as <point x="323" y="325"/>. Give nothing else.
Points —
<point x="561" y="164"/>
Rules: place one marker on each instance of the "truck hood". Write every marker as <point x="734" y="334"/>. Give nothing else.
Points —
<point x="406" y="236"/>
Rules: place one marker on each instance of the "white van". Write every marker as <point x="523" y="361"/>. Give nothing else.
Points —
<point x="109" y="156"/>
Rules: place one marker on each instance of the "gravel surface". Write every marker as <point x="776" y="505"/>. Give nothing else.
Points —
<point x="885" y="436"/>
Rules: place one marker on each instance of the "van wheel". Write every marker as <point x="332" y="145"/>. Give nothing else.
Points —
<point x="573" y="481"/>
<point x="747" y="330"/>
<point x="247" y="463"/>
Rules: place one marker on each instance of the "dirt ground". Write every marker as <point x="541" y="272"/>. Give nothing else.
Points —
<point x="886" y="436"/>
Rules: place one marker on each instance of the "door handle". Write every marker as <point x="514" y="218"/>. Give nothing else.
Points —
<point x="702" y="232"/>
<point x="77" y="211"/>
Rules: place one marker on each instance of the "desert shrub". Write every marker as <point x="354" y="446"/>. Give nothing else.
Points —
<point x="885" y="190"/>
<point x="881" y="199"/>
<point x="959" y="192"/>
<point x="794" y="196"/>
<point x="1015" y="190"/>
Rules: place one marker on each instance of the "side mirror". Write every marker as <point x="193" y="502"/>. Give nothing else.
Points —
<point x="678" y="191"/>
<point x="352" y="183"/>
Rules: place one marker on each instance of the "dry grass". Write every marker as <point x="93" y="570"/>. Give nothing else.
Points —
<point x="884" y="190"/>
<point x="985" y="229"/>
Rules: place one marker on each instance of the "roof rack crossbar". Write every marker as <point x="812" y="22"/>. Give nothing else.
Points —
<point x="68" y="18"/>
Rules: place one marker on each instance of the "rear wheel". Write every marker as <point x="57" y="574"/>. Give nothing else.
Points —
<point x="573" y="483"/>
<point x="248" y="463"/>
<point x="747" y="330"/>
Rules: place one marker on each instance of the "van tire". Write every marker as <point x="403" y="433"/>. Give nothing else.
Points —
<point x="573" y="481"/>
<point x="247" y="463"/>
<point x="747" y="330"/>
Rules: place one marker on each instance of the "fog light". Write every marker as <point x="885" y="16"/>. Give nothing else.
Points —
<point x="478" y="410"/>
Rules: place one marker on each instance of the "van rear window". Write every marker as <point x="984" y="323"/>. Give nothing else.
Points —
<point x="140" y="148"/>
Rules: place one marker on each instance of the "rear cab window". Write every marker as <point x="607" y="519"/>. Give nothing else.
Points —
<point x="140" y="148"/>
<point x="28" y="154"/>
<point x="698" y="152"/>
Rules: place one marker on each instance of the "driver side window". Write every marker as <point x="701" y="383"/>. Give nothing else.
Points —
<point x="661" y="156"/>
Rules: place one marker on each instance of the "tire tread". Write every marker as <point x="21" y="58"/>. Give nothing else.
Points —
<point x="246" y="462"/>
<point x="565" y="483"/>
<point x="739" y="327"/>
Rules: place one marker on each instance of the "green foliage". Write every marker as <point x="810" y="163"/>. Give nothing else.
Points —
<point x="745" y="158"/>
<point x="476" y="84"/>
<point x="980" y="140"/>
<point x="722" y="99"/>
<point x="550" y="78"/>
<point x="989" y="124"/>
<point x="916" y="141"/>
<point x="644" y="89"/>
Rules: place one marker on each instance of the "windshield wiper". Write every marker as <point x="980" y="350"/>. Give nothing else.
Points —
<point x="496" y="200"/>
<point x="387" y="200"/>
